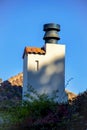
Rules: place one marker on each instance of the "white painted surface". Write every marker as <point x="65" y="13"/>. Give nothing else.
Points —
<point x="51" y="73"/>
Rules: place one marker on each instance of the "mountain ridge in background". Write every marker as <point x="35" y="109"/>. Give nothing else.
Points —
<point x="12" y="88"/>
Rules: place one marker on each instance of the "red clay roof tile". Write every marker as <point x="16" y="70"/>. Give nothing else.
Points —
<point x="33" y="50"/>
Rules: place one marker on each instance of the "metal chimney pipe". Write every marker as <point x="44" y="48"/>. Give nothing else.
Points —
<point x="51" y="33"/>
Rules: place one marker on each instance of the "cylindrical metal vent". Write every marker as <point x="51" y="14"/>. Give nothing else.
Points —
<point x="51" y="35"/>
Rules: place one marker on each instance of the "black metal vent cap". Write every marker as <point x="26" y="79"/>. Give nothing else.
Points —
<point x="51" y="26"/>
<point x="51" y="33"/>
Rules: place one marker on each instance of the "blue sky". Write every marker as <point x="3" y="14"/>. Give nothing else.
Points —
<point x="21" y="24"/>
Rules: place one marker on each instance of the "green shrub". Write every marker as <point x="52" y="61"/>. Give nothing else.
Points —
<point x="38" y="110"/>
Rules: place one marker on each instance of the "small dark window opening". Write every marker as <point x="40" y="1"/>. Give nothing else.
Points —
<point x="37" y="65"/>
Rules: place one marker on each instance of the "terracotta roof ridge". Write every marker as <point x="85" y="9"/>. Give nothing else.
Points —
<point x="34" y="50"/>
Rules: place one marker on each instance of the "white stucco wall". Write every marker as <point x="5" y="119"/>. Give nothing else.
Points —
<point x="51" y="73"/>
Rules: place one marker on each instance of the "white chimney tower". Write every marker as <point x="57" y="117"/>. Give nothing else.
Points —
<point x="44" y="68"/>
